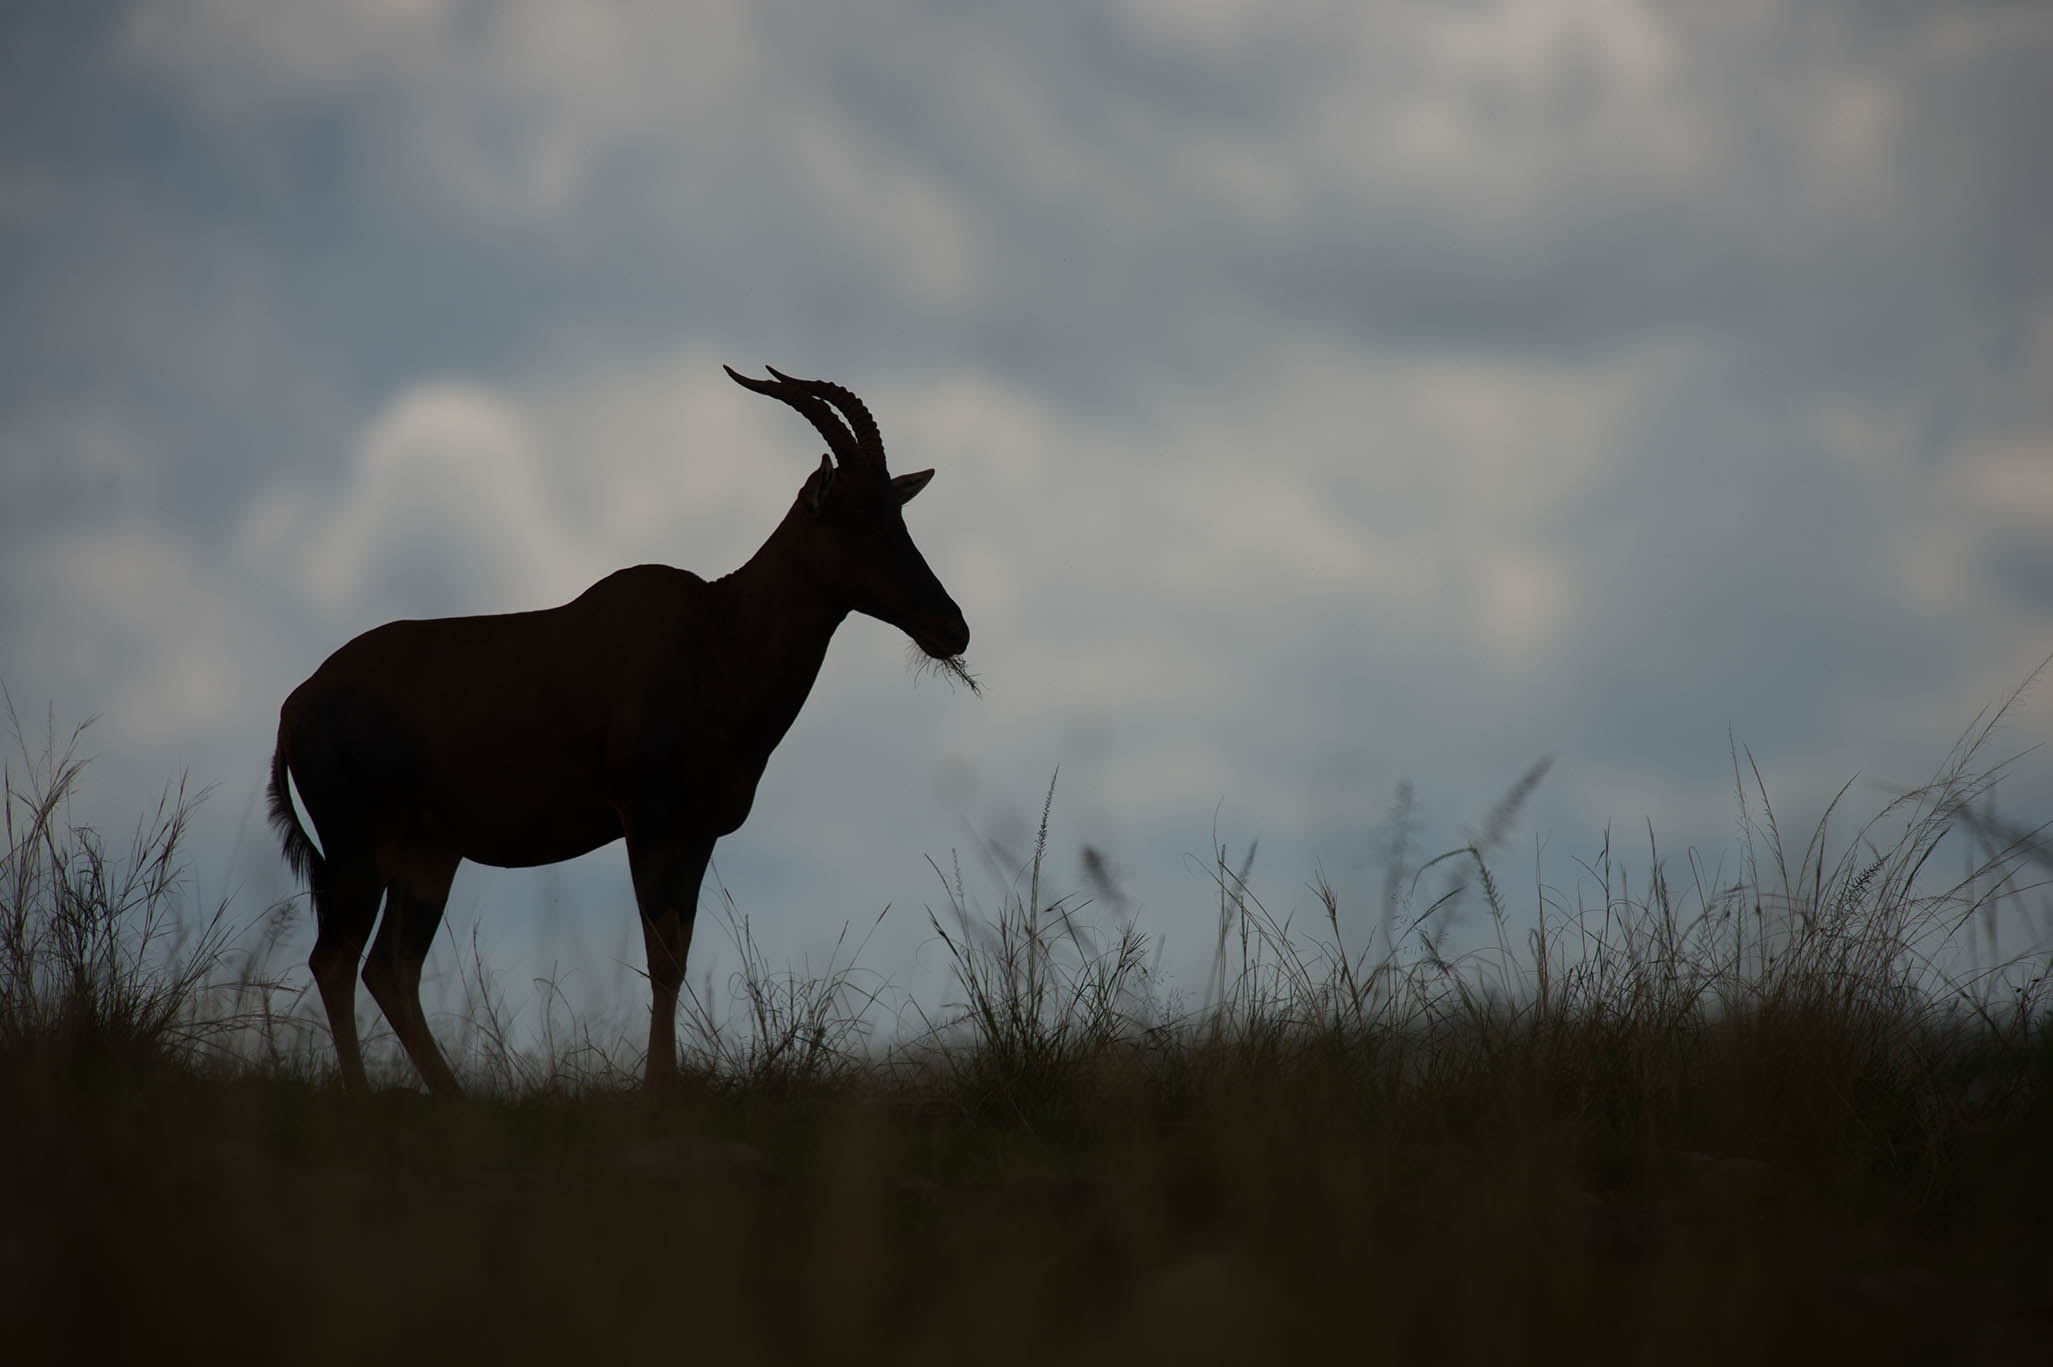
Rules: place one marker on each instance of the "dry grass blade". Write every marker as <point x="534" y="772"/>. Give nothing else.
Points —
<point x="949" y="667"/>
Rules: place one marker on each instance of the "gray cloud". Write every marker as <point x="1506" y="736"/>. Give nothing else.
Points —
<point x="1322" y="393"/>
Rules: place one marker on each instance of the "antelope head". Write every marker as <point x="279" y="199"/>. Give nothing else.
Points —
<point x="855" y="542"/>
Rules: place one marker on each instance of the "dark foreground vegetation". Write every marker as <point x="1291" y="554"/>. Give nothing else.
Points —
<point x="1779" y="1117"/>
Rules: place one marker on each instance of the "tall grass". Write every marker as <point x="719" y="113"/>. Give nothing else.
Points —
<point x="795" y="1029"/>
<point x="1656" y="1112"/>
<point x="1041" y="995"/>
<point x="101" y="960"/>
<point x="103" y="952"/>
<point x="1818" y="1015"/>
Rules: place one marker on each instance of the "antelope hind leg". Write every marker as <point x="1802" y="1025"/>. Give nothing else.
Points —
<point x="413" y="912"/>
<point x="345" y="896"/>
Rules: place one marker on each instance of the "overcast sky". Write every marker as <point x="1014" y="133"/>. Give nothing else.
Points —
<point x="1322" y="395"/>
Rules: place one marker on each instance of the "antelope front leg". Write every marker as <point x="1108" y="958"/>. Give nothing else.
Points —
<point x="667" y="874"/>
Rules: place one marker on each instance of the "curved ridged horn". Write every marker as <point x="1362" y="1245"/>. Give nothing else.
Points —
<point x="844" y="444"/>
<point x="867" y="438"/>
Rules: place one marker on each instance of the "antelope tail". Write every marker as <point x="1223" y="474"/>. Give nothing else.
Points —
<point x="300" y="851"/>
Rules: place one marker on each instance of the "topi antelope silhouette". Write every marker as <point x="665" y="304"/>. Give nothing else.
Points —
<point x="644" y="709"/>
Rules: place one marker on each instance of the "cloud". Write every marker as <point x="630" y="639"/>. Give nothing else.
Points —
<point x="1321" y="394"/>
<point x="1343" y="557"/>
<point x="445" y="509"/>
<point x="128" y="604"/>
<point x="1177" y="183"/>
<point x="63" y="462"/>
<point x="1195" y="565"/>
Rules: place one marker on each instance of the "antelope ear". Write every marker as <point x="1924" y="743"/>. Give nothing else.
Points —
<point x="905" y="486"/>
<point x="818" y="483"/>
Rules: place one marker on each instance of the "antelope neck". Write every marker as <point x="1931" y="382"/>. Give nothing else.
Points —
<point x="779" y="618"/>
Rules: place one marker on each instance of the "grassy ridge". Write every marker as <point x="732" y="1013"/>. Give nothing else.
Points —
<point x="1675" y="1121"/>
